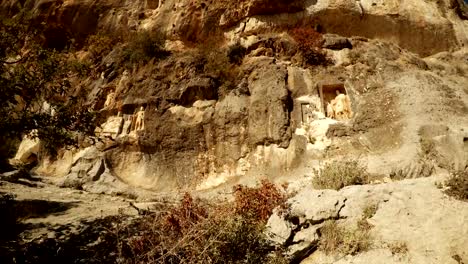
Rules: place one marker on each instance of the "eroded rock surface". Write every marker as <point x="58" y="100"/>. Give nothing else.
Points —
<point x="413" y="212"/>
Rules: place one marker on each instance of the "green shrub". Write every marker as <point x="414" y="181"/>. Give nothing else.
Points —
<point x="457" y="185"/>
<point x="316" y="57"/>
<point x="338" y="174"/>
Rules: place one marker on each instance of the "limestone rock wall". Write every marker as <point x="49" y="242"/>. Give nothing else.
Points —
<point x="191" y="132"/>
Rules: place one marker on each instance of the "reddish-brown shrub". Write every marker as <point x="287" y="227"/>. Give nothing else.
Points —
<point x="187" y="214"/>
<point x="307" y="38"/>
<point x="197" y="232"/>
<point x="258" y="203"/>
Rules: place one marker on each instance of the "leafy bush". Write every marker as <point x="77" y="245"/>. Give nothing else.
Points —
<point x="215" y="63"/>
<point x="338" y="174"/>
<point x="337" y="239"/>
<point x="457" y="185"/>
<point x="35" y="75"/>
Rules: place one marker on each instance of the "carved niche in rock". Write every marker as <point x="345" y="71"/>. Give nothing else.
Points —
<point x="335" y="101"/>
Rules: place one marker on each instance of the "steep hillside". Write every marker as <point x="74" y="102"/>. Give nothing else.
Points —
<point x="200" y="96"/>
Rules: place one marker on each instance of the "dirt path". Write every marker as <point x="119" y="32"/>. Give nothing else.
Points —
<point x="46" y="209"/>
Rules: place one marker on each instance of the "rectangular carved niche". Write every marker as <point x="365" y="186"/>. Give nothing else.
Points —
<point x="328" y="92"/>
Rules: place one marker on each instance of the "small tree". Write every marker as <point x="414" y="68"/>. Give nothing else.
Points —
<point x="29" y="76"/>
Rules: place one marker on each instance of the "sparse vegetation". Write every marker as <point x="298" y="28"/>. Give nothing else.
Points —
<point x="192" y="231"/>
<point x="370" y="210"/>
<point x="100" y="45"/>
<point x="143" y="47"/>
<point x="197" y="232"/>
<point x="236" y="53"/>
<point x="427" y="149"/>
<point x="338" y="174"/>
<point x="309" y="43"/>
<point x="424" y="168"/>
<point x="457" y="185"/>
<point x="30" y="75"/>
<point x="398" y="248"/>
<point x="335" y="239"/>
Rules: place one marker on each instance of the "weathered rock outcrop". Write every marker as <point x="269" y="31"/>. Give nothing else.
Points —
<point x="269" y="109"/>
<point x="413" y="212"/>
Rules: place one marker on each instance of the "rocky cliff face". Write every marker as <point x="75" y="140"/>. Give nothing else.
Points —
<point x="268" y="113"/>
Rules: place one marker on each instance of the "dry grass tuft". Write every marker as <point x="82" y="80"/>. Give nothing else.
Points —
<point x="398" y="248"/>
<point x="338" y="174"/>
<point x="335" y="239"/>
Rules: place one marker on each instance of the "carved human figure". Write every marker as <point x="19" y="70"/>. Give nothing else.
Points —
<point x="109" y="99"/>
<point x="330" y="109"/>
<point x="140" y="119"/>
<point x="123" y="81"/>
<point x="340" y="106"/>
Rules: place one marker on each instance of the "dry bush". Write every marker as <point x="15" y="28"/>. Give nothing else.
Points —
<point x="370" y="210"/>
<point x="424" y="168"/>
<point x="336" y="239"/>
<point x="457" y="185"/>
<point x="307" y="38"/>
<point x="258" y="203"/>
<point x="309" y="43"/>
<point x="197" y="232"/>
<point x="338" y="174"/>
<point x="143" y="47"/>
<point x="398" y="248"/>
<point x="215" y="63"/>
<point x="100" y="45"/>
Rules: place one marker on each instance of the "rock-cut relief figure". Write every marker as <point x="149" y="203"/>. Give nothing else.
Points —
<point x="340" y="107"/>
<point x="109" y="99"/>
<point x="140" y="119"/>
